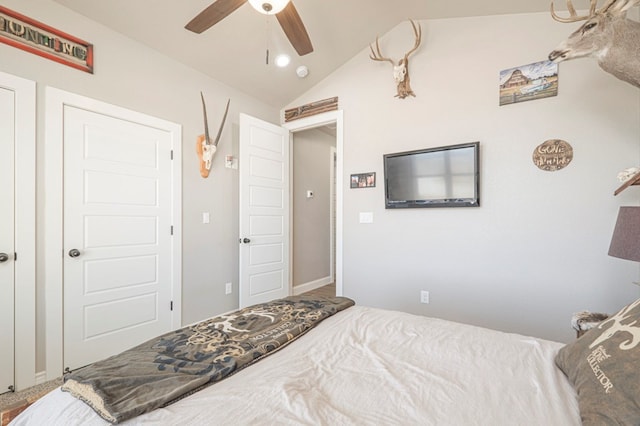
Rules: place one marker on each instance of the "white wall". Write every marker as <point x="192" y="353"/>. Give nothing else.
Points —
<point x="536" y="250"/>
<point x="130" y="75"/>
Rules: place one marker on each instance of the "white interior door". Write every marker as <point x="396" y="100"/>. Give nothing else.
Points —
<point x="17" y="233"/>
<point x="7" y="238"/>
<point x="264" y="211"/>
<point x="117" y="234"/>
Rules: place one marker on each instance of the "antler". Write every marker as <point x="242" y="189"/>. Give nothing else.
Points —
<point x="224" y="118"/>
<point x="418" y="33"/>
<point x="623" y="6"/>
<point x="574" y="17"/>
<point x="205" y="147"/>
<point x="377" y="56"/>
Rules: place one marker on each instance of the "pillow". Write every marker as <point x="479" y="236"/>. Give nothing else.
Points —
<point x="604" y="368"/>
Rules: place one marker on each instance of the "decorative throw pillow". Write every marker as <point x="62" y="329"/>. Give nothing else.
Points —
<point x="604" y="368"/>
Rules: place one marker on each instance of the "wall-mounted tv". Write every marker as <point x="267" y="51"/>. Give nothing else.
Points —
<point x="447" y="176"/>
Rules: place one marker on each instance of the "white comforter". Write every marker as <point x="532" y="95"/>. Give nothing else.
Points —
<point x="368" y="366"/>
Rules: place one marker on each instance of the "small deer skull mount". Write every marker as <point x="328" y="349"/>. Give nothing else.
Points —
<point x="205" y="147"/>
<point x="401" y="69"/>
<point x="607" y="35"/>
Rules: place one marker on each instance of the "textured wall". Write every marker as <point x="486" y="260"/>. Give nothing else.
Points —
<point x="536" y="250"/>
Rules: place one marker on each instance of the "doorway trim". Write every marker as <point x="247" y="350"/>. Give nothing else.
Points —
<point x="25" y="229"/>
<point x="55" y="102"/>
<point x="312" y="122"/>
<point x="332" y="212"/>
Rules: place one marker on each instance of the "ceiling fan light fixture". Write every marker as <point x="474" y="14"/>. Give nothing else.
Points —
<point x="283" y="60"/>
<point x="269" y="7"/>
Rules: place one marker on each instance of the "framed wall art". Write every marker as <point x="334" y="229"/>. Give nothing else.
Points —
<point x="363" y="180"/>
<point x="528" y="82"/>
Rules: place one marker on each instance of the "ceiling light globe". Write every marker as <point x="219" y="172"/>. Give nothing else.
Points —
<point x="269" y="7"/>
<point x="282" y="60"/>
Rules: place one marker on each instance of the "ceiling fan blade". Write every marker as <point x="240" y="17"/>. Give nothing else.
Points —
<point x="294" y="29"/>
<point x="213" y="14"/>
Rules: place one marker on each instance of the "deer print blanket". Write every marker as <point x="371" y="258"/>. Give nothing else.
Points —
<point x="176" y="364"/>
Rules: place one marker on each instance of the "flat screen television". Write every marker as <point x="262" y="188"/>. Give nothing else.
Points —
<point x="447" y="176"/>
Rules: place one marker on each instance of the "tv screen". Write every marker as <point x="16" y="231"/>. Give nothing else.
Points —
<point x="446" y="176"/>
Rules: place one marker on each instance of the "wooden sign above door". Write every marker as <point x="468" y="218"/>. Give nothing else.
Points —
<point x="40" y="39"/>
<point x="318" y="107"/>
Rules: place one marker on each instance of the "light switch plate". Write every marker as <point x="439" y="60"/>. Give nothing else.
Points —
<point x="366" y="217"/>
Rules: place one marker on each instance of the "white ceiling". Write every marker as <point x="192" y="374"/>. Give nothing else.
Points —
<point x="234" y="50"/>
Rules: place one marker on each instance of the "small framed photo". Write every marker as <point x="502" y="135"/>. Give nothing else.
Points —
<point x="363" y="180"/>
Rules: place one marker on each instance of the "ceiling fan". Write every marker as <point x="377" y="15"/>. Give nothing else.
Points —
<point x="284" y="10"/>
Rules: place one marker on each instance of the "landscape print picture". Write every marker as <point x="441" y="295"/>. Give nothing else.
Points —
<point x="527" y="82"/>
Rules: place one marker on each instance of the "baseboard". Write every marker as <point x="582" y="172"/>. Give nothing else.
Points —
<point x="41" y="377"/>
<point x="312" y="285"/>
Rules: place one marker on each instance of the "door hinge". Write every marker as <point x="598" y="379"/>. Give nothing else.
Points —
<point x="172" y="154"/>
<point x="171" y="229"/>
<point x="171" y="305"/>
<point x="15" y="256"/>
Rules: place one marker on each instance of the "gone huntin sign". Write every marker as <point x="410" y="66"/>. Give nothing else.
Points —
<point x="28" y="34"/>
<point x="553" y="155"/>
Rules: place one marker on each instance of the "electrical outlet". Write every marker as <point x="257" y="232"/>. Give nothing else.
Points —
<point x="424" y="296"/>
<point x="228" y="289"/>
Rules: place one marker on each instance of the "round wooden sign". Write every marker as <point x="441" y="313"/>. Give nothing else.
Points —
<point x="553" y="155"/>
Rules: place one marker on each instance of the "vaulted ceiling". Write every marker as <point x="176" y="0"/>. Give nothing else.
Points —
<point x="234" y="50"/>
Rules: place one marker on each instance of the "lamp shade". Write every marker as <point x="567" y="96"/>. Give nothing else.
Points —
<point x="269" y="7"/>
<point x="625" y="242"/>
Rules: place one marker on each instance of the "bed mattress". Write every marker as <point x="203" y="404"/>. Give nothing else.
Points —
<point x="371" y="366"/>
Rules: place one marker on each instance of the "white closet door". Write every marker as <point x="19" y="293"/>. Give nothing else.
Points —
<point x="7" y="238"/>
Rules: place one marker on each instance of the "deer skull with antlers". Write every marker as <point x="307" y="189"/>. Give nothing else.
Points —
<point x="400" y="69"/>
<point x="607" y="35"/>
<point x="205" y="147"/>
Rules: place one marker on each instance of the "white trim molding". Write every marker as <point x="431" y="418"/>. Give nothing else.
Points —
<point x="311" y="122"/>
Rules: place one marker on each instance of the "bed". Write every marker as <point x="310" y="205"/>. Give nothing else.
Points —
<point x="365" y="366"/>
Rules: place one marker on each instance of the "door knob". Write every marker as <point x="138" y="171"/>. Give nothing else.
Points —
<point x="246" y="240"/>
<point x="4" y="257"/>
<point x="74" y="253"/>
